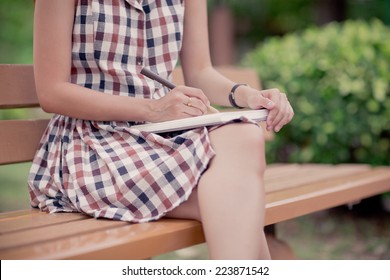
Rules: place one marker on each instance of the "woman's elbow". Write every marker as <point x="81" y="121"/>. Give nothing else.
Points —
<point x="45" y="99"/>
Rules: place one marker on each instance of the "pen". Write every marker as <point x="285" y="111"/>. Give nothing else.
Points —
<point x="168" y="84"/>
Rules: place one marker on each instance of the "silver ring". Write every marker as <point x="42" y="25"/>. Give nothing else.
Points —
<point x="189" y="103"/>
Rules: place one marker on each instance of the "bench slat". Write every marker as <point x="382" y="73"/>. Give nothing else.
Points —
<point x="306" y="174"/>
<point x="36" y="221"/>
<point x="56" y="231"/>
<point x="306" y="199"/>
<point x="18" y="213"/>
<point x="282" y="169"/>
<point x="13" y="144"/>
<point x="134" y="241"/>
<point x="17" y="86"/>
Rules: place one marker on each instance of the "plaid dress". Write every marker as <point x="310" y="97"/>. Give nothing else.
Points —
<point x="107" y="169"/>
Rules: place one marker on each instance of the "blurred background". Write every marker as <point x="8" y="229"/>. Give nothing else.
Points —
<point x="332" y="58"/>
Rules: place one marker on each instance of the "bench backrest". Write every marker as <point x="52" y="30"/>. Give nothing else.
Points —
<point x="19" y="138"/>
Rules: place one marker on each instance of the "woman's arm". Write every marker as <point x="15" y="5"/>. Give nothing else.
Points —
<point x="199" y="73"/>
<point x="195" y="55"/>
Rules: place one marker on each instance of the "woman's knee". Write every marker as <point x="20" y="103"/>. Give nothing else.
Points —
<point x="250" y="139"/>
<point x="243" y="133"/>
<point x="242" y="142"/>
<point x="251" y="136"/>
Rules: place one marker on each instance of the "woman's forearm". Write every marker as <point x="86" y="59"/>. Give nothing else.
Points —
<point x="217" y="87"/>
<point x="79" y="102"/>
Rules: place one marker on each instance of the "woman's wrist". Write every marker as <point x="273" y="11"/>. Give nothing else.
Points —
<point x="241" y="95"/>
<point x="136" y="109"/>
<point x="151" y="112"/>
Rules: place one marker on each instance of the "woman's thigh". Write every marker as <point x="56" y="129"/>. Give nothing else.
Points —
<point x="239" y="149"/>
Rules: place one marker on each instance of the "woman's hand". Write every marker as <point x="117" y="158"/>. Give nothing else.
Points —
<point x="181" y="102"/>
<point x="280" y="110"/>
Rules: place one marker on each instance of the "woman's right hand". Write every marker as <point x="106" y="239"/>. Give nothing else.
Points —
<point x="181" y="102"/>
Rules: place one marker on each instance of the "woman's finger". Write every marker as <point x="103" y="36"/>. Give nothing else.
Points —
<point x="280" y="113"/>
<point x="195" y="106"/>
<point x="193" y="93"/>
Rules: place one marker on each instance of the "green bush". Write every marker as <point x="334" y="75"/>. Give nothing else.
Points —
<point x="337" y="78"/>
<point x="16" y="32"/>
<point x="257" y="19"/>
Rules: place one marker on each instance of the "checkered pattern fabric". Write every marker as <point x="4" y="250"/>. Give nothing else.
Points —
<point x="108" y="169"/>
<point x="114" y="40"/>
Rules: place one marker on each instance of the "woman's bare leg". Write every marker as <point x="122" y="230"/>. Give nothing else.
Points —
<point x="230" y="195"/>
<point x="187" y="210"/>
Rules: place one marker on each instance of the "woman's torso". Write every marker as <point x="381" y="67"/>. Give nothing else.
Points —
<point x="114" y="40"/>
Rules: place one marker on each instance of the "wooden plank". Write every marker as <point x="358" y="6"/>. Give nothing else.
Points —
<point x="308" y="173"/>
<point x="65" y="229"/>
<point x="18" y="213"/>
<point x="335" y="181"/>
<point x="21" y="141"/>
<point x="36" y="221"/>
<point x="291" y="203"/>
<point x="17" y="86"/>
<point x="275" y="172"/>
<point x="134" y="241"/>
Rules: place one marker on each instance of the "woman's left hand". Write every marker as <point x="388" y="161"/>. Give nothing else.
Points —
<point x="280" y="110"/>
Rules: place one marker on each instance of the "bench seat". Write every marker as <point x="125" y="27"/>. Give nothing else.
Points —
<point x="292" y="190"/>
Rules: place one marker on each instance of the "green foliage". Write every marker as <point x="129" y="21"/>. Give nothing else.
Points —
<point x="16" y="37"/>
<point x="10" y="114"/>
<point x="338" y="80"/>
<point x="258" y="19"/>
<point x="16" y="32"/>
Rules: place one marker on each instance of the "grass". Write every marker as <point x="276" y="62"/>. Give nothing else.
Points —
<point x="339" y="233"/>
<point x="13" y="187"/>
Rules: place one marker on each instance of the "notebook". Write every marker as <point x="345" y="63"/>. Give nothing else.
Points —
<point x="200" y="121"/>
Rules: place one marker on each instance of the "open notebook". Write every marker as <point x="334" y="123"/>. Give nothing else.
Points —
<point x="205" y="120"/>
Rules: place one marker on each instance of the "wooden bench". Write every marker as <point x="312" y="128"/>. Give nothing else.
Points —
<point x="292" y="190"/>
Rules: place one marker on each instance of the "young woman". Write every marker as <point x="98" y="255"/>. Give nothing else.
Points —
<point x="88" y="55"/>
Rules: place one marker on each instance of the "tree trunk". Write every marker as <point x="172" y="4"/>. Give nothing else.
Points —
<point x="222" y="31"/>
<point x="330" y="10"/>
